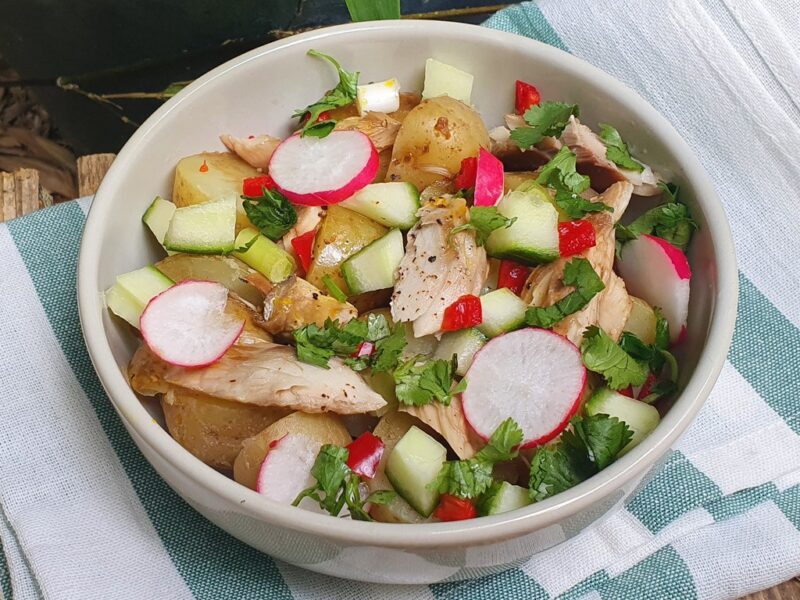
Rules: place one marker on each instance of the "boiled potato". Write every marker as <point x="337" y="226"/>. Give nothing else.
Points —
<point x="226" y="270"/>
<point x="408" y="100"/>
<point x="213" y="429"/>
<point x="642" y="321"/>
<point x="341" y="234"/>
<point x="433" y="139"/>
<point x="222" y="179"/>
<point x="390" y="429"/>
<point x="323" y="427"/>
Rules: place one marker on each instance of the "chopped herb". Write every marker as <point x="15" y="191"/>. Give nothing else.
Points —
<point x="592" y="444"/>
<point x="271" y="212"/>
<point x="388" y="349"/>
<point x="419" y="383"/>
<point x="484" y="220"/>
<point x="334" y="289"/>
<point x="561" y="175"/>
<point x="656" y="356"/>
<point x="617" y="150"/>
<point x="244" y="248"/>
<point x="471" y="478"/>
<point x="343" y="94"/>
<point x="604" y="356"/>
<point x="579" y="273"/>
<point x="548" y="118"/>
<point x="337" y="485"/>
<point x="670" y="221"/>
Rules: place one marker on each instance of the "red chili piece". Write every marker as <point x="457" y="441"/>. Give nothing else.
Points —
<point x="574" y="237"/>
<point x="464" y="312"/>
<point x="303" y="246"/>
<point x="365" y="454"/>
<point x="252" y="185"/>
<point x="628" y="391"/>
<point x="204" y="167"/>
<point x="526" y="96"/>
<point x="647" y="386"/>
<point x="453" y="508"/>
<point x="512" y="276"/>
<point x="466" y="176"/>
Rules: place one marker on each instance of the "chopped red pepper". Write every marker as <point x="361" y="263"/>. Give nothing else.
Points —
<point x="647" y="386"/>
<point x="466" y="176"/>
<point x="365" y="348"/>
<point x="323" y="116"/>
<point x="204" y="167"/>
<point x="628" y="391"/>
<point x="252" y="185"/>
<point x="453" y="508"/>
<point x="464" y="312"/>
<point x="574" y="237"/>
<point x="526" y="96"/>
<point x="303" y="246"/>
<point x="365" y="454"/>
<point x="512" y="276"/>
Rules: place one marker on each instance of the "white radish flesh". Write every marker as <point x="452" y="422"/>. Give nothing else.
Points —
<point x="286" y="470"/>
<point x="534" y="376"/>
<point x="659" y="273"/>
<point x="488" y="179"/>
<point x="317" y="171"/>
<point x="187" y="325"/>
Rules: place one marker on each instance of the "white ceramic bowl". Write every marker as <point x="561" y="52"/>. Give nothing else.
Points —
<point x="256" y="93"/>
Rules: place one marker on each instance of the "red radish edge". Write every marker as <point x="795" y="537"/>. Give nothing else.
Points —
<point x="319" y="171"/>
<point x="488" y="179"/>
<point x="678" y="258"/>
<point x="173" y="322"/>
<point x="510" y="365"/>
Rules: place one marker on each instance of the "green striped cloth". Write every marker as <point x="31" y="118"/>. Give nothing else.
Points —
<point x="83" y="515"/>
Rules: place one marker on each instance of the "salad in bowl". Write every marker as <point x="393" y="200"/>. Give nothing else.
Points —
<point x="399" y="314"/>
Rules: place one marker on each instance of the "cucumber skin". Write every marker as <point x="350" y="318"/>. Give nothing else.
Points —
<point x="494" y="329"/>
<point x="423" y="505"/>
<point x="191" y="247"/>
<point x="348" y="269"/>
<point x="608" y="402"/>
<point x="503" y="497"/>
<point x="156" y="208"/>
<point x="362" y="203"/>
<point x="459" y="340"/>
<point x="499" y="246"/>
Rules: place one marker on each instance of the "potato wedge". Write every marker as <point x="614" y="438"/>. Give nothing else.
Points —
<point x="341" y="234"/>
<point x="325" y="428"/>
<point x="222" y="179"/>
<point x="213" y="429"/>
<point x="642" y="321"/>
<point x="433" y="139"/>
<point x="232" y="273"/>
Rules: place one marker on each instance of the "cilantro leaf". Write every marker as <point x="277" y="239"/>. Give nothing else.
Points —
<point x="343" y="94"/>
<point x="419" y="383"/>
<point x="548" y="118"/>
<point x="575" y="206"/>
<point x="579" y="273"/>
<point x="670" y="221"/>
<point x="656" y="356"/>
<point x="662" y="330"/>
<point x="561" y="175"/>
<point x="589" y="446"/>
<point x="388" y="349"/>
<point x="337" y="485"/>
<point x="604" y="356"/>
<point x="271" y="213"/>
<point x="617" y="150"/>
<point x="471" y="478"/>
<point x="307" y="351"/>
<point x="484" y="220"/>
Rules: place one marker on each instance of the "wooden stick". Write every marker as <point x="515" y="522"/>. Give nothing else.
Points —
<point x="19" y="193"/>
<point x="91" y="170"/>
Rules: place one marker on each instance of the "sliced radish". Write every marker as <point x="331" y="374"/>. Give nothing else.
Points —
<point x="658" y="273"/>
<point x="488" y="180"/>
<point x="286" y="470"/>
<point x="534" y="376"/>
<point x="187" y="325"/>
<point x="318" y="171"/>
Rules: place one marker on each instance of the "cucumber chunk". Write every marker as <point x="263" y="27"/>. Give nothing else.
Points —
<point x="641" y="418"/>
<point x="264" y="255"/>
<point x="394" y="204"/>
<point x="413" y="464"/>
<point x="128" y="297"/>
<point x="503" y="497"/>
<point x="446" y="80"/>
<point x="158" y="216"/>
<point x="503" y="311"/>
<point x="208" y="228"/>
<point x="533" y="238"/>
<point x="464" y="344"/>
<point x="373" y="267"/>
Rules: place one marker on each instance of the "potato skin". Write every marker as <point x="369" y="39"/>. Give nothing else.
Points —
<point x="323" y="427"/>
<point x="213" y="429"/>
<point x="437" y="134"/>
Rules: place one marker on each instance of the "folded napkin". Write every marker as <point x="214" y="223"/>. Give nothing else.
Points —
<point x="83" y="515"/>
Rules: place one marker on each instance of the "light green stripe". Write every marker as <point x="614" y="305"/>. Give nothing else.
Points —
<point x="213" y="564"/>
<point x="579" y="590"/>
<point x="528" y="21"/>
<point x="5" y="574"/>
<point x="502" y="585"/>
<point x="742" y="501"/>
<point x="789" y="503"/>
<point x="766" y="351"/>
<point x="661" y="576"/>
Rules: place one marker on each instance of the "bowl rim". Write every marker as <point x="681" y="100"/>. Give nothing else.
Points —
<point x="428" y="535"/>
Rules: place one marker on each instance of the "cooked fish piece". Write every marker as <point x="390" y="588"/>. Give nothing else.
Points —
<point x="611" y="307"/>
<point x="379" y="127"/>
<point x="295" y="302"/>
<point x="256" y="151"/>
<point x="437" y="267"/>
<point x="264" y="375"/>
<point x="450" y="423"/>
